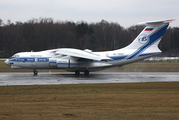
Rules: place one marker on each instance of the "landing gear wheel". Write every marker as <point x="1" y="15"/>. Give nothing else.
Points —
<point x="77" y="72"/>
<point x="35" y="72"/>
<point x="86" y="72"/>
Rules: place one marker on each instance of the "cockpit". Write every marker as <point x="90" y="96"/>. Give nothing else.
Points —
<point x="9" y="62"/>
<point x="14" y="56"/>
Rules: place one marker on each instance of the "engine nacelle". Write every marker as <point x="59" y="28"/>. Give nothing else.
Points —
<point x="53" y="62"/>
<point x="63" y="63"/>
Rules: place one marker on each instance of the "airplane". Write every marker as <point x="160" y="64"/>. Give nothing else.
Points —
<point x="75" y="60"/>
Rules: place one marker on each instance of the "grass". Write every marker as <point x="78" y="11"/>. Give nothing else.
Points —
<point x="134" y="67"/>
<point x="138" y="101"/>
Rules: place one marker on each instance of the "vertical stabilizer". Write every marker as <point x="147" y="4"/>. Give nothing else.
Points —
<point x="147" y="41"/>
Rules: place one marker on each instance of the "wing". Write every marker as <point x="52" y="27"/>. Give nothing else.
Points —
<point x="87" y="54"/>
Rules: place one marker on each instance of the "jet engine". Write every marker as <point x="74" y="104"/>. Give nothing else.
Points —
<point x="63" y="63"/>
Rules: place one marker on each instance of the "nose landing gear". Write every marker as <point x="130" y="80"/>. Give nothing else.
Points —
<point x="35" y="72"/>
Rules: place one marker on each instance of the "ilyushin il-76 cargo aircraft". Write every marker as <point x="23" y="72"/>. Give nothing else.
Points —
<point x="75" y="60"/>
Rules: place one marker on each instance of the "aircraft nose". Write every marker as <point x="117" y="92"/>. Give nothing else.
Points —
<point x="7" y="61"/>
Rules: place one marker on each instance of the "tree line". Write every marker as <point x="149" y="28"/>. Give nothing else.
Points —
<point x="45" y="33"/>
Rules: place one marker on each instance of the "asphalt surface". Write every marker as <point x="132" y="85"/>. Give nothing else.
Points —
<point x="98" y="77"/>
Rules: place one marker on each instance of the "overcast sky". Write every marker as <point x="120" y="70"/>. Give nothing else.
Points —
<point x="124" y="12"/>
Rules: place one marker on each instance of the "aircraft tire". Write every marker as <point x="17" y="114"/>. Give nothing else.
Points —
<point x="77" y="72"/>
<point x="35" y="72"/>
<point x="86" y="72"/>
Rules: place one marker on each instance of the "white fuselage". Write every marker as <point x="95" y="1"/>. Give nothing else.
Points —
<point x="46" y="60"/>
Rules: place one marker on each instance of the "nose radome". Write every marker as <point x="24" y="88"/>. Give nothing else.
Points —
<point x="7" y="61"/>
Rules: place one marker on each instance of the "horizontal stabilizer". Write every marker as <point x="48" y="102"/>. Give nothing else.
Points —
<point x="156" y="22"/>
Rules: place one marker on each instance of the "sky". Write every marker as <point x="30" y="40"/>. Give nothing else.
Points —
<point x="124" y="12"/>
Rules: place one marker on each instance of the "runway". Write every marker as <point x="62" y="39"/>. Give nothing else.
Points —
<point x="98" y="77"/>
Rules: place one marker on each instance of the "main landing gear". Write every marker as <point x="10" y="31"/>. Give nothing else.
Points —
<point x="35" y="72"/>
<point x="86" y="72"/>
<point x="77" y="72"/>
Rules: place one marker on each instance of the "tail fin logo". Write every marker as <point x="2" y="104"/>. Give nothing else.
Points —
<point x="143" y="39"/>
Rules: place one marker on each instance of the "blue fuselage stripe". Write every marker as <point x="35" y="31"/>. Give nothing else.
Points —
<point x="30" y="59"/>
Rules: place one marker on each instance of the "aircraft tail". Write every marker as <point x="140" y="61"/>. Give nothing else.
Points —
<point x="147" y="41"/>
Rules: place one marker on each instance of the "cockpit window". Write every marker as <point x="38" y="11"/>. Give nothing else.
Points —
<point x="15" y="56"/>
